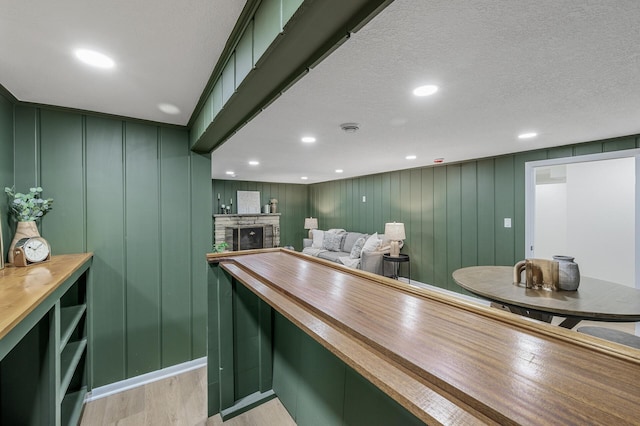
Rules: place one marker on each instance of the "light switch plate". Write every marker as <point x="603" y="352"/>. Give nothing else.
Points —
<point x="507" y="222"/>
<point x="364" y="198"/>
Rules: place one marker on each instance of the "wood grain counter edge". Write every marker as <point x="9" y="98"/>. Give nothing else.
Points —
<point x="542" y="328"/>
<point x="422" y="397"/>
<point x="23" y="289"/>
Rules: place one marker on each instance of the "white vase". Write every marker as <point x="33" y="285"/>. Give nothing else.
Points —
<point x="568" y="273"/>
<point x="24" y="230"/>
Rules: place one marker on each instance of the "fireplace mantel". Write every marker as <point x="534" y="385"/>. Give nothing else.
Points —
<point x="223" y="221"/>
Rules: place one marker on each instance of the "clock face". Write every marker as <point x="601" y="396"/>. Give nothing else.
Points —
<point x="36" y="249"/>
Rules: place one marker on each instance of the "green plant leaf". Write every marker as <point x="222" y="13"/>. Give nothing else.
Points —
<point x="27" y="207"/>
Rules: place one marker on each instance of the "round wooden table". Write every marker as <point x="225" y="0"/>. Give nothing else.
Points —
<point x="595" y="300"/>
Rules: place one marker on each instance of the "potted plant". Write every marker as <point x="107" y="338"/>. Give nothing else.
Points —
<point x="26" y="209"/>
<point x="220" y="247"/>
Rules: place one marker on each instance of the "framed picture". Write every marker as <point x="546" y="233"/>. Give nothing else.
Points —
<point x="248" y="202"/>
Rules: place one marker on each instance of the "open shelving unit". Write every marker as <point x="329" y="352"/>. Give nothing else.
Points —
<point x="44" y="341"/>
<point x="72" y="347"/>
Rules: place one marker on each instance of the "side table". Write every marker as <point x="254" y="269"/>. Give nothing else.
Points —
<point x="396" y="261"/>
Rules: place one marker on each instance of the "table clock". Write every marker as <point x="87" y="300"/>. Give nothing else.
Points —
<point x="31" y="250"/>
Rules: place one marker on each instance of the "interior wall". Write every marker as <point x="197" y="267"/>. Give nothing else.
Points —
<point x="134" y="195"/>
<point x="591" y="217"/>
<point x="6" y="167"/>
<point x="551" y="220"/>
<point x="453" y="214"/>
<point x="293" y="204"/>
<point x="601" y="218"/>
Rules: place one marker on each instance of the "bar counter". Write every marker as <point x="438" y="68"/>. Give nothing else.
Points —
<point x="446" y="360"/>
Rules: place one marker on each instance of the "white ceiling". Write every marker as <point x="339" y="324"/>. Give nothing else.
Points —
<point x="569" y="70"/>
<point x="164" y="50"/>
<point x="566" y="69"/>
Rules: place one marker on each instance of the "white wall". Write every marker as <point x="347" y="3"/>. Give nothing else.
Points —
<point x="551" y="220"/>
<point x="601" y="218"/>
<point x="590" y="217"/>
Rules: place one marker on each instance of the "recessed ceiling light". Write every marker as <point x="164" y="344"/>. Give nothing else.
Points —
<point x="169" y="109"/>
<point x="304" y="178"/>
<point x="410" y="157"/>
<point x="527" y="135"/>
<point x="253" y="163"/>
<point x="427" y="90"/>
<point x="95" y="59"/>
<point x="339" y="170"/>
<point x="308" y="139"/>
<point x="229" y="172"/>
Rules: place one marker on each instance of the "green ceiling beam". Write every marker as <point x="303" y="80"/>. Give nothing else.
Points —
<point x="314" y="31"/>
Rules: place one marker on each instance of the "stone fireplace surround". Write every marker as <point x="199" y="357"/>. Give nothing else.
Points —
<point x="223" y="221"/>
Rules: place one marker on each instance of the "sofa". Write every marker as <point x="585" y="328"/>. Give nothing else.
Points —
<point x="352" y="249"/>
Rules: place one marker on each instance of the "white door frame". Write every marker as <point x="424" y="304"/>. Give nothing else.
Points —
<point x="530" y="198"/>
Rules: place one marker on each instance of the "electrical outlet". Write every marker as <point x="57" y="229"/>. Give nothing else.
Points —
<point x="364" y="198"/>
<point x="507" y="222"/>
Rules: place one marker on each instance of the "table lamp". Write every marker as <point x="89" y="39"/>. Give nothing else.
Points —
<point x="311" y="223"/>
<point x="394" y="232"/>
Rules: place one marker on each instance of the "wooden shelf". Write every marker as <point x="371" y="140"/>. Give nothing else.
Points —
<point x="72" y="407"/>
<point x="24" y="290"/>
<point x="69" y="361"/>
<point x="69" y="319"/>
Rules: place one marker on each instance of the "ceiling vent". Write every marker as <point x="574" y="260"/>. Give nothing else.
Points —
<point x="350" y="127"/>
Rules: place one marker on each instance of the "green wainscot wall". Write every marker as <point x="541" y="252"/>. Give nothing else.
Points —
<point x="293" y="205"/>
<point x="134" y="194"/>
<point x="6" y="167"/>
<point x="453" y="214"/>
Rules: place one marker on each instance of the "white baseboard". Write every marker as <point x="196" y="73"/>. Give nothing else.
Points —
<point x="144" y="379"/>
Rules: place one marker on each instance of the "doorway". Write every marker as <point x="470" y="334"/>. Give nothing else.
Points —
<point x="586" y="207"/>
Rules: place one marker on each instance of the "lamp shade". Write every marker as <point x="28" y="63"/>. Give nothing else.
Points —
<point x="311" y="223"/>
<point x="394" y="231"/>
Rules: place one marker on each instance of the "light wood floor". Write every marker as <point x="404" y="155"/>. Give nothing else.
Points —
<point x="178" y="400"/>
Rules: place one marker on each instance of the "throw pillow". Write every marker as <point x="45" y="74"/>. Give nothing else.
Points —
<point x="356" y="250"/>
<point x="372" y="243"/>
<point x="332" y="241"/>
<point x="350" y="239"/>
<point x="347" y="261"/>
<point x="337" y="230"/>
<point x="318" y="237"/>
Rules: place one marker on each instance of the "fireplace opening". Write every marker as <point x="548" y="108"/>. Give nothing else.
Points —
<point x="248" y="238"/>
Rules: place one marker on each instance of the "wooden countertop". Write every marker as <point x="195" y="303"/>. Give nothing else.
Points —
<point x="446" y="360"/>
<point x="23" y="289"/>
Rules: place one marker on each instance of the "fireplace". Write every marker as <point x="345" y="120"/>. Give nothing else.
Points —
<point x="247" y="238"/>
<point x="247" y="231"/>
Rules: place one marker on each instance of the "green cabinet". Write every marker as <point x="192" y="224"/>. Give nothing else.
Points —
<point x="71" y="344"/>
<point x="44" y="344"/>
